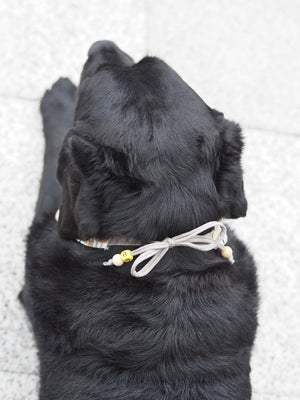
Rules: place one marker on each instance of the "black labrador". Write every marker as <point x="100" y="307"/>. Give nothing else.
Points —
<point x="140" y="156"/>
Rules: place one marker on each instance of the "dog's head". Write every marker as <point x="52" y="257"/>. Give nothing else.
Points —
<point x="146" y="157"/>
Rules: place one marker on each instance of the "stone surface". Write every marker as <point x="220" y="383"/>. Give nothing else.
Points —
<point x="21" y="153"/>
<point x="242" y="57"/>
<point x="272" y="177"/>
<point x="43" y="40"/>
<point x="18" y="386"/>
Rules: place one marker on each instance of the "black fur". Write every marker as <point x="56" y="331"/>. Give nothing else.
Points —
<point x="145" y="158"/>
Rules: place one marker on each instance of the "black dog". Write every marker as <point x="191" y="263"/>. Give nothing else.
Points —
<point x="145" y="158"/>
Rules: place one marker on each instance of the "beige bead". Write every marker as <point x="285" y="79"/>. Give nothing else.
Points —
<point x="117" y="260"/>
<point x="227" y="252"/>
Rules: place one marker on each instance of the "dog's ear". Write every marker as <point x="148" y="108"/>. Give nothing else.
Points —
<point x="90" y="175"/>
<point x="229" y="174"/>
<point x="76" y="161"/>
<point x="83" y="155"/>
<point x="86" y="157"/>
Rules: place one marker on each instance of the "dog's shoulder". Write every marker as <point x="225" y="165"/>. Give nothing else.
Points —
<point x="188" y="320"/>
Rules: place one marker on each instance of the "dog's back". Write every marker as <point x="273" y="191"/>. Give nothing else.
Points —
<point x="102" y="334"/>
<point x="184" y="331"/>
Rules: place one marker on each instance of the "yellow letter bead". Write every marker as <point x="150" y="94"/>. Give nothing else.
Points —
<point x="216" y="232"/>
<point x="227" y="252"/>
<point x="126" y="256"/>
<point x="117" y="260"/>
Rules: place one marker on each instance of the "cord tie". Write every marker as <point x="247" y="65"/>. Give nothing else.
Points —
<point x="170" y="242"/>
<point x="155" y="251"/>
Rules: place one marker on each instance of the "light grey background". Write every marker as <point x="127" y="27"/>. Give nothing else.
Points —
<point x="243" y="58"/>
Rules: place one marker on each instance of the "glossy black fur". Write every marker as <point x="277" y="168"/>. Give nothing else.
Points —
<point x="144" y="158"/>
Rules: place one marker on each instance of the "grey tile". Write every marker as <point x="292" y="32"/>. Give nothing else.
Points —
<point x="241" y="57"/>
<point x="275" y="396"/>
<point x="21" y="153"/>
<point x="272" y="174"/>
<point x="18" y="386"/>
<point x="17" y="347"/>
<point x="43" y="40"/>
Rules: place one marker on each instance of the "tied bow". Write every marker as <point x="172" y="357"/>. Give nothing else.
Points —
<point x="215" y="239"/>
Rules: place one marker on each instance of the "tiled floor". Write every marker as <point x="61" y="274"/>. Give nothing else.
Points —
<point x="242" y="58"/>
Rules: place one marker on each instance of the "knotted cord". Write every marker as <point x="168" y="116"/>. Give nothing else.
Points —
<point x="215" y="239"/>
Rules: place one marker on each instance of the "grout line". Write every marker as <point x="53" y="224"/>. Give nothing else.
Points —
<point x="21" y="98"/>
<point x="19" y="372"/>
<point x="290" y="396"/>
<point x="244" y="126"/>
<point x="268" y="130"/>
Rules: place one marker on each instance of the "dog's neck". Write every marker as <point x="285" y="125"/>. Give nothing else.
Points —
<point x="105" y="243"/>
<point x="216" y="238"/>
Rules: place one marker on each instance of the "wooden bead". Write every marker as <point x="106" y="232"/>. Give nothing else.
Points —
<point x="117" y="260"/>
<point x="227" y="252"/>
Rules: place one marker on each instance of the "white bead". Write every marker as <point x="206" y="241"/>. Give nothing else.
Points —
<point x="117" y="260"/>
